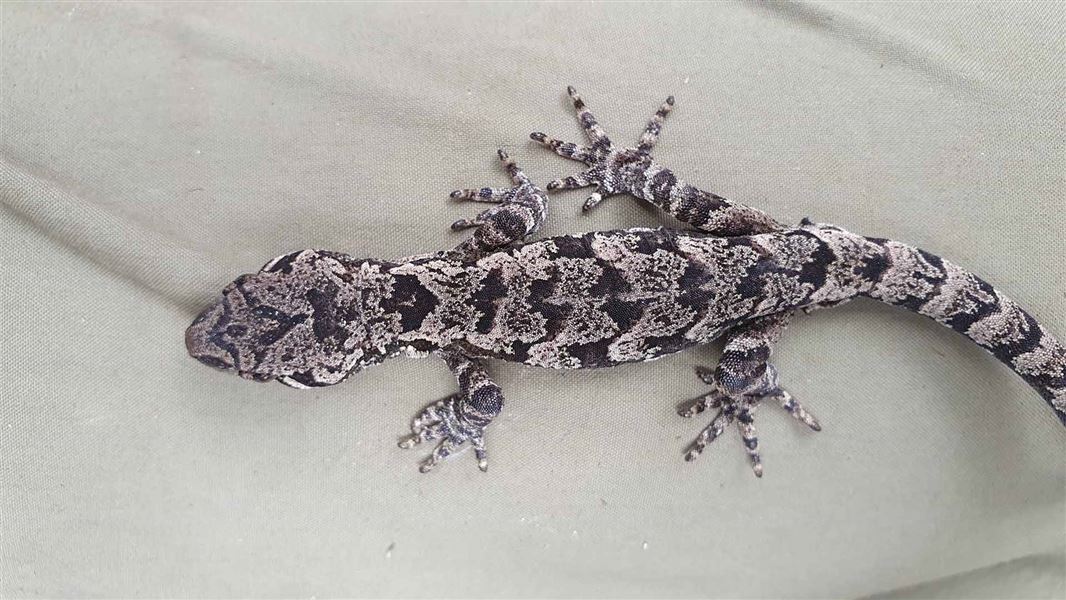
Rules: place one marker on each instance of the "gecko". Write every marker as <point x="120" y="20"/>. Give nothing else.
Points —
<point x="600" y="299"/>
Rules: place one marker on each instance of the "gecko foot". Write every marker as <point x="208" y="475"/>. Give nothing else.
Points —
<point x="441" y="421"/>
<point x="738" y="408"/>
<point x="517" y="212"/>
<point x="612" y="169"/>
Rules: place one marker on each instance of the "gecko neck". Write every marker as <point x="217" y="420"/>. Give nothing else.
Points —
<point x="433" y="301"/>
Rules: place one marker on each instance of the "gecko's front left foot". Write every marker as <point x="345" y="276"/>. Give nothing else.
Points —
<point x="612" y="169"/>
<point x="738" y="405"/>
<point x="517" y="212"/>
<point x="442" y="421"/>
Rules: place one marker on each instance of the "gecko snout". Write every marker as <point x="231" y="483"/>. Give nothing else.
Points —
<point x="201" y="339"/>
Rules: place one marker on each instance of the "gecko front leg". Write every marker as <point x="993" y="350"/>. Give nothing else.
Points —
<point x="616" y="170"/>
<point x="518" y="213"/>
<point x="742" y="379"/>
<point x="460" y="418"/>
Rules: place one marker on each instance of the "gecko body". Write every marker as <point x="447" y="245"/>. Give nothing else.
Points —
<point x="601" y="299"/>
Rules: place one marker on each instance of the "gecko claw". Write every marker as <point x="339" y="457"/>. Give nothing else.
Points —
<point x="591" y="202"/>
<point x="705" y="374"/>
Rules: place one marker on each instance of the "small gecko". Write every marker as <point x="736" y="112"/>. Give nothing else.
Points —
<point x="600" y="299"/>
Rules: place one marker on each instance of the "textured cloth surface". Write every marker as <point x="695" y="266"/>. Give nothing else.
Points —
<point x="152" y="152"/>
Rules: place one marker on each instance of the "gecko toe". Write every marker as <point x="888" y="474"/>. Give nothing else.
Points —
<point x="710" y="433"/>
<point x="691" y="408"/>
<point x="741" y="412"/>
<point x="794" y="408"/>
<point x="706" y="374"/>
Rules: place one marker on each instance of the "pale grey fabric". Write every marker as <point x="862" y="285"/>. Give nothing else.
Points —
<point x="152" y="152"/>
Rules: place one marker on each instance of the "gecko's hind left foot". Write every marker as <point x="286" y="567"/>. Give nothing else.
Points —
<point x="738" y="408"/>
<point x="441" y="421"/>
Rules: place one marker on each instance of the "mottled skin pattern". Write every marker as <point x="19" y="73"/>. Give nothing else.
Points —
<point x="601" y="299"/>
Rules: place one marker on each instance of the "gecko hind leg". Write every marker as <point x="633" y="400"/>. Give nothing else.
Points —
<point x="613" y="169"/>
<point x="742" y="379"/>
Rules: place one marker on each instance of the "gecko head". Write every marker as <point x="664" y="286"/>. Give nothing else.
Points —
<point x="302" y="319"/>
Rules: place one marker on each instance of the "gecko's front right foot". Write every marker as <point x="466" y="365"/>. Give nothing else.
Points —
<point x="612" y="169"/>
<point x="442" y="421"/>
<point x="739" y="406"/>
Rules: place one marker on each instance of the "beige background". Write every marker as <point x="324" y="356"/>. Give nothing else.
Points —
<point x="152" y="152"/>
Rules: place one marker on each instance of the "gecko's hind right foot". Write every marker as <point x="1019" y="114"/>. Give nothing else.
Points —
<point x="739" y="408"/>
<point x="776" y="392"/>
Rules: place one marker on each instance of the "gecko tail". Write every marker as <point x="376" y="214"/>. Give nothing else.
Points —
<point x="939" y="289"/>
